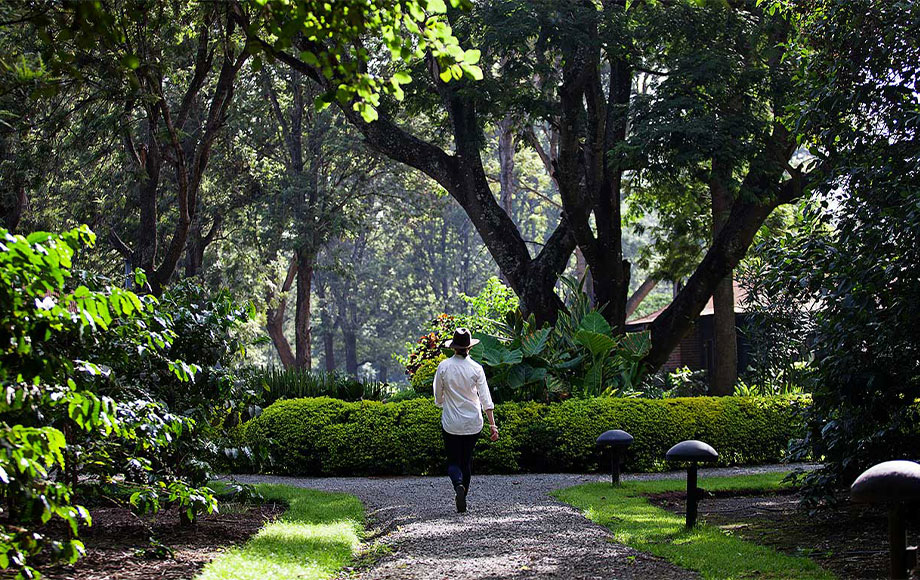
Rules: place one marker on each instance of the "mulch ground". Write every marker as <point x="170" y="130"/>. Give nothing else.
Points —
<point x="118" y="543"/>
<point x="850" y="540"/>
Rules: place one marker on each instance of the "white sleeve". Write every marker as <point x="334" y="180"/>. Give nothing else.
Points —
<point x="485" y="398"/>
<point x="438" y="388"/>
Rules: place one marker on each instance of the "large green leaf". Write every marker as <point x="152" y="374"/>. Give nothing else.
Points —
<point x="594" y="322"/>
<point x="517" y="376"/>
<point x="494" y="354"/>
<point x="636" y="344"/>
<point x="593" y="380"/>
<point x="571" y="363"/>
<point x="598" y="344"/>
<point x="534" y="343"/>
<point x="486" y="343"/>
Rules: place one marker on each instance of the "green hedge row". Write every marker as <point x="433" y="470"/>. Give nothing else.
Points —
<point x="326" y="436"/>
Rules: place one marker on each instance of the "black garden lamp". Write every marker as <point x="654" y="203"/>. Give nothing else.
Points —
<point x="617" y="440"/>
<point x="694" y="452"/>
<point x="892" y="484"/>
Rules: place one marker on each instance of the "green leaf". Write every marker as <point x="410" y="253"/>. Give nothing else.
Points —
<point x="130" y="61"/>
<point x="595" y="322"/>
<point x="436" y="6"/>
<point x="636" y="344"/>
<point x="534" y="343"/>
<point x="594" y="379"/>
<point x="474" y="72"/>
<point x="309" y="58"/>
<point x="598" y="344"/>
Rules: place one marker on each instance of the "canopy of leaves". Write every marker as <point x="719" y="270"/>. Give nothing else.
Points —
<point x="857" y="260"/>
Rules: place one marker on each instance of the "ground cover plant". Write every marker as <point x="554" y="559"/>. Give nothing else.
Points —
<point x="326" y="436"/>
<point x="317" y="536"/>
<point x="712" y="552"/>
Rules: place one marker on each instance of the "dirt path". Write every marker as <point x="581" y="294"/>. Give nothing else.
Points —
<point x="513" y="528"/>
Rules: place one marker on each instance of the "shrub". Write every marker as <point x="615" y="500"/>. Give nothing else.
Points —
<point x="423" y="379"/>
<point x="330" y="437"/>
<point x="101" y="385"/>
<point x="274" y="384"/>
<point x="325" y="436"/>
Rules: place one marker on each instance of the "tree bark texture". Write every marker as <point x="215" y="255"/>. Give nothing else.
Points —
<point x="593" y="123"/>
<point x="274" y="316"/>
<point x="302" y="329"/>
<point x="725" y="345"/>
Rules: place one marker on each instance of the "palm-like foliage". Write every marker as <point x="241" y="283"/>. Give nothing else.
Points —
<point x="275" y="384"/>
<point x="578" y="357"/>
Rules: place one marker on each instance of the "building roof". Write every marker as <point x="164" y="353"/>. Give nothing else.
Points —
<point x="740" y="306"/>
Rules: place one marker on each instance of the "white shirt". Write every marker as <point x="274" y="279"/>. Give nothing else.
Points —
<point x="460" y="389"/>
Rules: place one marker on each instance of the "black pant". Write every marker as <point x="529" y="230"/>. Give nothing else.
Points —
<point x="459" y="457"/>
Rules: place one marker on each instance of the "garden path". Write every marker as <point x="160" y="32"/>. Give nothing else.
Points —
<point x="512" y="529"/>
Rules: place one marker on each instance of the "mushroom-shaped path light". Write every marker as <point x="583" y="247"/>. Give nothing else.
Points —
<point x="617" y="440"/>
<point x="694" y="452"/>
<point x="892" y="483"/>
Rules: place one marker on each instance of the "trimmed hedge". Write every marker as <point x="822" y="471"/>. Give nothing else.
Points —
<point x="326" y="436"/>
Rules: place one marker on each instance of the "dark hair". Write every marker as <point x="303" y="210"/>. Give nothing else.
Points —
<point x="462" y="351"/>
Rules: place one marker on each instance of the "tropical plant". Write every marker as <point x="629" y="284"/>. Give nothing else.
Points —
<point x="293" y="383"/>
<point x="580" y="356"/>
<point x="493" y="303"/>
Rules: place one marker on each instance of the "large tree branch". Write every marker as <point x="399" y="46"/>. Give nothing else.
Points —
<point x="757" y="199"/>
<point x="640" y="294"/>
<point x="463" y="176"/>
<point x="203" y="61"/>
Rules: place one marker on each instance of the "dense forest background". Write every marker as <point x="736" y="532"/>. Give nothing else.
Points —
<point x="345" y="252"/>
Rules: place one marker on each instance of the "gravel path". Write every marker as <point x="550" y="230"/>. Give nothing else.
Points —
<point x="512" y="529"/>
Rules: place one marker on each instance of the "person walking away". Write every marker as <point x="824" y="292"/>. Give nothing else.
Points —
<point x="461" y="391"/>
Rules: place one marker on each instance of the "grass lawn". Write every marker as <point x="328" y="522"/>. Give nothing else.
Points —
<point x="314" y="539"/>
<point x="712" y="552"/>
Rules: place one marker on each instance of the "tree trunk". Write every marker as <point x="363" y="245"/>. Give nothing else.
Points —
<point x="328" y="327"/>
<point x="302" y="330"/>
<point x="639" y="295"/>
<point x="506" y="162"/>
<point x="14" y="205"/>
<point x="194" y="250"/>
<point x="725" y="345"/>
<point x="150" y="162"/>
<point x="275" y="327"/>
<point x="198" y="242"/>
<point x="351" y="350"/>
<point x="274" y="318"/>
